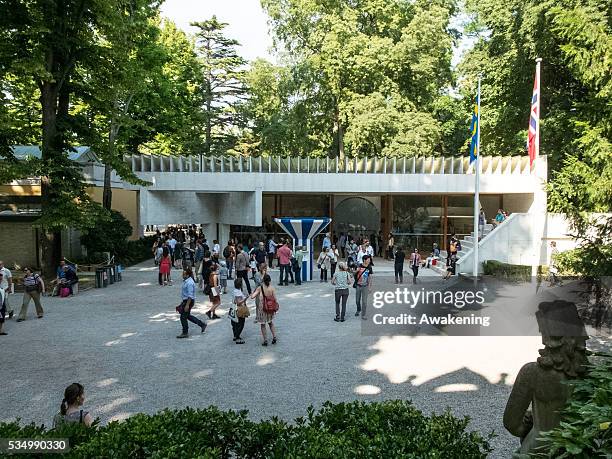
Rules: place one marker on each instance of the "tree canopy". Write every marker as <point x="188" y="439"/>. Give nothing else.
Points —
<point x="352" y="77"/>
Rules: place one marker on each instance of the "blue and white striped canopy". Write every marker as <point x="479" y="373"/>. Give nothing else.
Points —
<point x="303" y="228"/>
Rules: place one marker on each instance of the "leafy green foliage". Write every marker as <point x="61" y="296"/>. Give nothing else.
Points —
<point x="585" y="430"/>
<point x="223" y="84"/>
<point x="363" y="77"/>
<point x="108" y="235"/>
<point x="337" y="430"/>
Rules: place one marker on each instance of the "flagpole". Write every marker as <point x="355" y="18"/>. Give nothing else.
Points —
<point x="537" y="139"/>
<point x="477" y="188"/>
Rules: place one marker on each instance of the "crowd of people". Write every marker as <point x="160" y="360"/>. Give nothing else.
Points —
<point x="344" y="261"/>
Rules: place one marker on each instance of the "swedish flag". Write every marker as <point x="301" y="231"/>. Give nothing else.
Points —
<point x="474" y="130"/>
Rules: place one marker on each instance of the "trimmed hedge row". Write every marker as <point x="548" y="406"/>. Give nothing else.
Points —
<point x="505" y="270"/>
<point x="343" y="430"/>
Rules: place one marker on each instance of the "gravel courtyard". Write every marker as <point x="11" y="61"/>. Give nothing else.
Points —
<point x="120" y="343"/>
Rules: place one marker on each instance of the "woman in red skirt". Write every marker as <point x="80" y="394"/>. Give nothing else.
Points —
<point x="165" y="265"/>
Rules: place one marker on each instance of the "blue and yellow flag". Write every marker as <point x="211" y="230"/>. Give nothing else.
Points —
<point x="474" y="130"/>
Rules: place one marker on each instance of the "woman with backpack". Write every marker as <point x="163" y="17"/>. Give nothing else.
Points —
<point x="34" y="287"/>
<point x="71" y="409"/>
<point x="267" y="308"/>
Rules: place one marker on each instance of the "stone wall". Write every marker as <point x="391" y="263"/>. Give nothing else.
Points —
<point x="18" y="243"/>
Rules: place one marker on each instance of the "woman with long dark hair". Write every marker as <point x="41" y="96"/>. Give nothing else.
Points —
<point x="165" y="267"/>
<point x="265" y="292"/>
<point x="71" y="409"/>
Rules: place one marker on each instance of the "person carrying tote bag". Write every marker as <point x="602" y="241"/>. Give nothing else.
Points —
<point x="324" y="264"/>
<point x="236" y="312"/>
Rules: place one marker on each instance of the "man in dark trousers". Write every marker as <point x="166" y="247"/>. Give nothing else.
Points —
<point x="399" y="258"/>
<point x="188" y="300"/>
<point x="260" y="254"/>
<point x="242" y="266"/>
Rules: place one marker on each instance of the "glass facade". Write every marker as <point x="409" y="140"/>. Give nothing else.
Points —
<point x="356" y="216"/>
<point x="417" y="220"/>
<point x="460" y="215"/>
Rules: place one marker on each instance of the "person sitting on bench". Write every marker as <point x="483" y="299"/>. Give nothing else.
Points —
<point x="70" y="279"/>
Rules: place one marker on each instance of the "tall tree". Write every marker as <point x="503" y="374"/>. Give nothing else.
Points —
<point x="129" y="55"/>
<point x="392" y="57"/>
<point x="223" y="72"/>
<point x="44" y="41"/>
<point x="170" y="106"/>
<point x="511" y="35"/>
<point x="583" y="183"/>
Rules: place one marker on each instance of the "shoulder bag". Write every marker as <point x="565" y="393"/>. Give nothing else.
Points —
<point x="242" y="310"/>
<point x="357" y="278"/>
<point x="270" y="305"/>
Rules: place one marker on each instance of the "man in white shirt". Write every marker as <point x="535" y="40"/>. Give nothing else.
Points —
<point x="216" y="247"/>
<point x="6" y="284"/>
<point x="172" y="244"/>
<point x="271" y="251"/>
<point x="365" y="249"/>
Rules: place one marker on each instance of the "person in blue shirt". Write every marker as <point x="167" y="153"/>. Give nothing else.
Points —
<point x="188" y="300"/>
<point x="326" y="242"/>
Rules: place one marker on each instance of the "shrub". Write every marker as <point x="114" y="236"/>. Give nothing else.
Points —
<point x="585" y="430"/>
<point x="108" y="235"/>
<point x="344" y="430"/>
<point x="505" y="270"/>
<point x="136" y="251"/>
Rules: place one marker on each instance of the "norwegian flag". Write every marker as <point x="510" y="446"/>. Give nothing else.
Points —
<point x="533" y="137"/>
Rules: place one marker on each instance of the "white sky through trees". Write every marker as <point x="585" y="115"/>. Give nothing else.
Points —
<point x="246" y="20"/>
<point x="248" y="23"/>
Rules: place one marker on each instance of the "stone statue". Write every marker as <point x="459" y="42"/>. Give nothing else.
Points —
<point x="541" y="384"/>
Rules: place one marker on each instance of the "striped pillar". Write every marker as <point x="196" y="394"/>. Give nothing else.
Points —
<point x="303" y="230"/>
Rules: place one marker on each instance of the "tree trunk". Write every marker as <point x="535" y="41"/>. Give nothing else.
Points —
<point x="339" y="128"/>
<point x="50" y="240"/>
<point x="107" y="192"/>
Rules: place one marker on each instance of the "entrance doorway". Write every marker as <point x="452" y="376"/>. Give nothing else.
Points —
<point x="356" y="216"/>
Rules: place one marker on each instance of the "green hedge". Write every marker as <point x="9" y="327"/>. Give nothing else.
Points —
<point x="586" y="425"/>
<point x="136" y="251"/>
<point x="344" y="430"/>
<point x="505" y="270"/>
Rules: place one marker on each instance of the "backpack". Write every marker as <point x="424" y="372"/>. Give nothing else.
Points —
<point x="226" y="252"/>
<point x="270" y="305"/>
<point x="64" y="292"/>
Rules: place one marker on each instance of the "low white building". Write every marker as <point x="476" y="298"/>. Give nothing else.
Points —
<point x="419" y="200"/>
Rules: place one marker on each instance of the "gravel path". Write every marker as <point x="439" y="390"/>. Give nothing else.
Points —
<point x="120" y="343"/>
